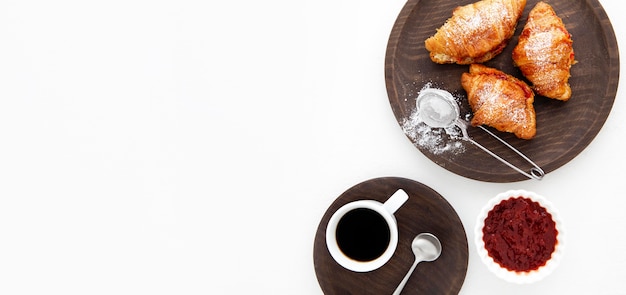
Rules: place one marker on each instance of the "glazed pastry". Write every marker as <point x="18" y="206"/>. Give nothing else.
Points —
<point x="476" y="32"/>
<point x="544" y="53"/>
<point x="500" y="101"/>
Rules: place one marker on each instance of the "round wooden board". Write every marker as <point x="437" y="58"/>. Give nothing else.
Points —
<point x="564" y="129"/>
<point x="425" y="211"/>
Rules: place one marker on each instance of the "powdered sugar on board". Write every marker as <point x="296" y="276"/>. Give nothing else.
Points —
<point x="437" y="141"/>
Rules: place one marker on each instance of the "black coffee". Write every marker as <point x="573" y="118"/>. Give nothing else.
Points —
<point x="362" y="234"/>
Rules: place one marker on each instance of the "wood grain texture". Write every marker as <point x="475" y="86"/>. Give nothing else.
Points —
<point x="564" y="129"/>
<point x="425" y="211"/>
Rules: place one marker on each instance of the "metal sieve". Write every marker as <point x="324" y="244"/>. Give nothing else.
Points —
<point x="438" y="109"/>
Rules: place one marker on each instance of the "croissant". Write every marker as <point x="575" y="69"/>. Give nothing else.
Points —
<point x="544" y="53"/>
<point x="476" y="32"/>
<point x="500" y="101"/>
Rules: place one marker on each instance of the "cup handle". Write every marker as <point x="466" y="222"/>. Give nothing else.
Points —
<point x="395" y="201"/>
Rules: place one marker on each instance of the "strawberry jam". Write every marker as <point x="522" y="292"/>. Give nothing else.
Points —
<point x="519" y="234"/>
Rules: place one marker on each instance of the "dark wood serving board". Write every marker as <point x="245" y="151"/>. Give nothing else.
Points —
<point x="425" y="211"/>
<point x="564" y="129"/>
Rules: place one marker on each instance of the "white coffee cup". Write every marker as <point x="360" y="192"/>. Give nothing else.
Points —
<point x="351" y="233"/>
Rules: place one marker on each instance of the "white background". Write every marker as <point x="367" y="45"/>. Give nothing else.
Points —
<point x="192" y="147"/>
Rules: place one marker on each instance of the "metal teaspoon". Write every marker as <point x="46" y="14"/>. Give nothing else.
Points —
<point x="426" y="247"/>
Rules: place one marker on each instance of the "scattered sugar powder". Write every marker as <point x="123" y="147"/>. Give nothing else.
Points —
<point x="478" y="20"/>
<point x="436" y="140"/>
<point x="492" y="103"/>
<point x="539" y="46"/>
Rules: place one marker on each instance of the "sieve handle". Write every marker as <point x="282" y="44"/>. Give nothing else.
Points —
<point x="535" y="172"/>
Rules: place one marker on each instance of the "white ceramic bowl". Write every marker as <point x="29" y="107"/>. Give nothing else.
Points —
<point x="524" y="277"/>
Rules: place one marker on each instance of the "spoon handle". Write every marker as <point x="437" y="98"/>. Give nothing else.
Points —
<point x="406" y="278"/>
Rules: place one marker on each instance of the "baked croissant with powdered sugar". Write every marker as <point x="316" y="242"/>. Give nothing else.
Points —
<point x="500" y="101"/>
<point x="544" y="53"/>
<point x="476" y="32"/>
